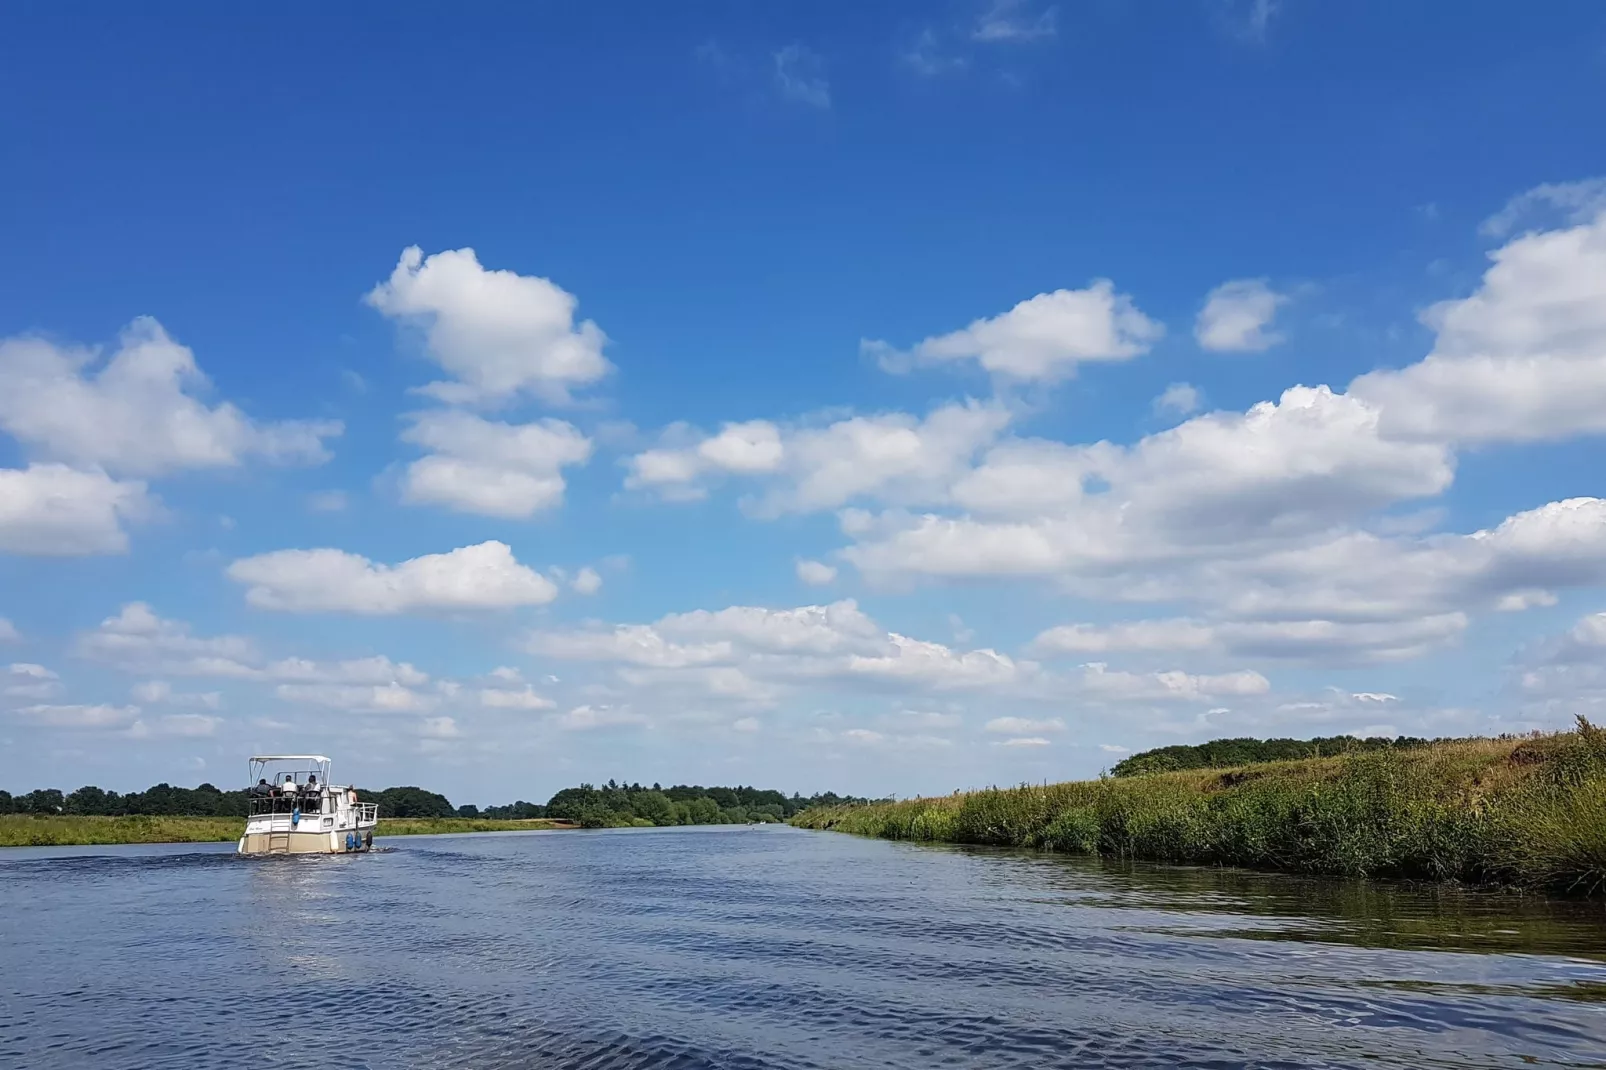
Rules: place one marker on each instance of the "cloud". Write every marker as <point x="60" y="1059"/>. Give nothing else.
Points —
<point x="590" y="718"/>
<point x="328" y="501"/>
<point x="1578" y="202"/>
<point x="52" y="510"/>
<point x="800" y="76"/>
<point x="927" y="719"/>
<point x="1280" y="528"/>
<point x="484" y="576"/>
<point x="500" y="698"/>
<point x="134" y="415"/>
<point x="26" y="680"/>
<point x="1236" y="317"/>
<point x="372" y="670"/>
<point x="137" y="640"/>
<point x="587" y="581"/>
<point x="380" y="698"/>
<point x="1249" y="20"/>
<point x="1233" y="481"/>
<point x="497" y="333"/>
<point x="1523" y="359"/>
<point x="8" y="631"/>
<point x="1013" y="22"/>
<point x="805" y="468"/>
<point x="924" y="56"/>
<point x="1560" y="676"/>
<point x="88" y="717"/>
<point x="159" y="692"/>
<point x="1024" y="741"/>
<point x="439" y="728"/>
<point x="816" y="573"/>
<point x="755" y="657"/>
<point x="749" y="448"/>
<point x="177" y="725"/>
<point x="490" y="468"/>
<point x="1043" y="338"/>
<point x="1327" y="641"/>
<point x="1023" y="726"/>
<point x="1180" y="399"/>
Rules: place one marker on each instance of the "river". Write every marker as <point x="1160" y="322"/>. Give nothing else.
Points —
<point x="740" y="948"/>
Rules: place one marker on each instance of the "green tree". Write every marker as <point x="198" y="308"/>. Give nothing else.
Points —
<point x="654" y="806"/>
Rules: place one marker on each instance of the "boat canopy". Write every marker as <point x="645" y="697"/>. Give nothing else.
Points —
<point x="288" y="758"/>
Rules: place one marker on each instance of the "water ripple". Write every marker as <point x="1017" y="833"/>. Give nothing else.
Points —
<point x="742" y="950"/>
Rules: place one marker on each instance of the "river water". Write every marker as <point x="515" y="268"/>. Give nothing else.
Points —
<point x="742" y="948"/>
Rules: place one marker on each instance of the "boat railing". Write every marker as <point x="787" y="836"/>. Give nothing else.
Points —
<point x="286" y="805"/>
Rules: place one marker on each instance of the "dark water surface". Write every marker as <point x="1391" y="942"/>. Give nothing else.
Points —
<point x="743" y="948"/>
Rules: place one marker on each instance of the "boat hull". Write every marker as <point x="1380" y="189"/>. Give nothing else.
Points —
<point x="311" y="842"/>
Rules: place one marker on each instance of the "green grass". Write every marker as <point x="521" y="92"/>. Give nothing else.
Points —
<point x="53" y="830"/>
<point x="30" y="830"/>
<point x="1527" y="812"/>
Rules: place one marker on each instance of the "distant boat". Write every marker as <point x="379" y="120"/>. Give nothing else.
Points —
<point x="295" y="810"/>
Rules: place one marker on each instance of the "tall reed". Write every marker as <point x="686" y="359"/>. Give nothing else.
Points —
<point x="1515" y="811"/>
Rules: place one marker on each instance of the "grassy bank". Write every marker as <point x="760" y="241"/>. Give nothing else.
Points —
<point x="433" y="826"/>
<point x="28" y="830"/>
<point x="1528" y="812"/>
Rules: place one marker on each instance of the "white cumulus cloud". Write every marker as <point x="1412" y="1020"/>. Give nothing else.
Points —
<point x="484" y="576"/>
<point x="1523" y="359"/>
<point x="136" y="414"/>
<point x="1237" y="317"/>
<point x="490" y="468"/>
<point x="1181" y="399"/>
<point x="893" y="456"/>
<point x="497" y="333"/>
<point x="1043" y="338"/>
<point x="27" y="680"/>
<point x="52" y="510"/>
<point x="816" y="573"/>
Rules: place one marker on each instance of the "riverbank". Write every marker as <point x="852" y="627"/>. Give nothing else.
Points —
<point x="64" y="830"/>
<point x="1528" y="812"/>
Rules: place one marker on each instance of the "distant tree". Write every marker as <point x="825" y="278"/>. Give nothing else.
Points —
<point x="468" y="810"/>
<point x="654" y="806"/>
<point x="45" y="801"/>
<point x="410" y="802"/>
<point x="89" y="800"/>
<point x="1224" y="753"/>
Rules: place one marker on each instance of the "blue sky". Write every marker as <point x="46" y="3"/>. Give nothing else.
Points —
<point x="883" y="399"/>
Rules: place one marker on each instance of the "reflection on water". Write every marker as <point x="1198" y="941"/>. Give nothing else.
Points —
<point x="739" y="948"/>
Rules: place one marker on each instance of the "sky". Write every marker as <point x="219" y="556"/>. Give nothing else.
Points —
<point x="879" y="398"/>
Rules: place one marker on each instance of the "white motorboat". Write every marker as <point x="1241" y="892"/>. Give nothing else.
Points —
<point x="296" y="810"/>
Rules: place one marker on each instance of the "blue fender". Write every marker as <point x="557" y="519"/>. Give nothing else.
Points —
<point x="295" y="817"/>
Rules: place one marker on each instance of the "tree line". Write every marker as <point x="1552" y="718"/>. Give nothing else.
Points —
<point x="609" y="806"/>
<point x="1223" y="753"/>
